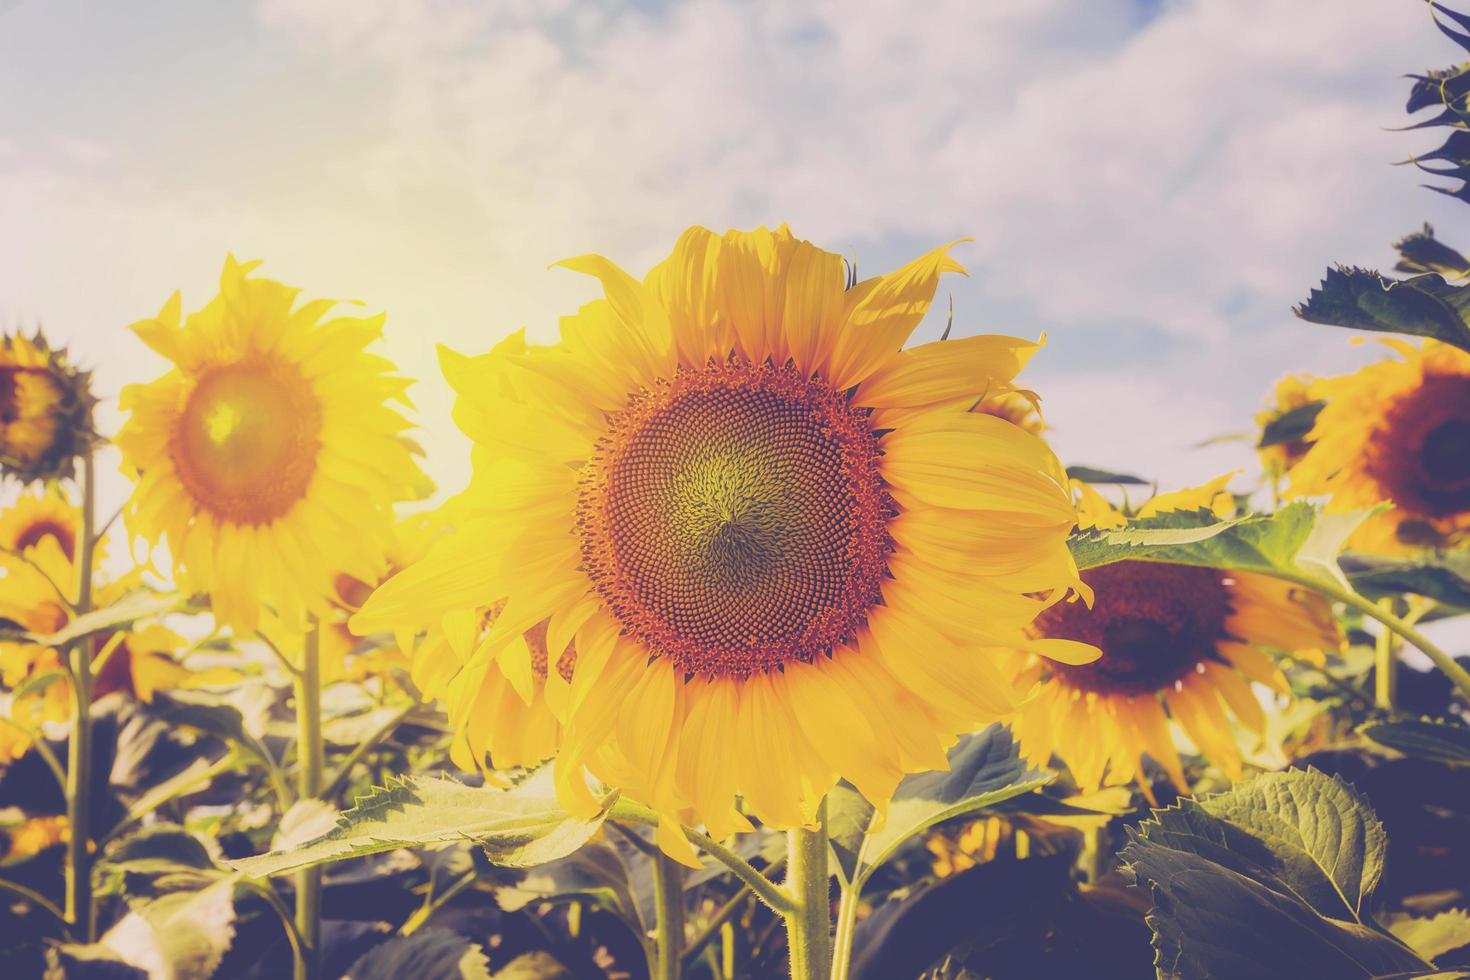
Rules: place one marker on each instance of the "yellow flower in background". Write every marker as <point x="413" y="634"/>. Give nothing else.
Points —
<point x="1292" y="393"/>
<point x="30" y="837"/>
<point x="1175" y="637"/>
<point x="38" y="540"/>
<point x="1398" y="431"/>
<point x="782" y="547"/>
<point x="269" y="457"/>
<point x="45" y="410"/>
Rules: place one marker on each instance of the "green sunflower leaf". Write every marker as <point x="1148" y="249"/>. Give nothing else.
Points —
<point x="1444" y="577"/>
<point x="435" y="954"/>
<point x="1438" y="741"/>
<point x="518" y="827"/>
<point x="1433" y="936"/>
<point x="132" y="607"/>
<point x="984" y="769"/>
<point x="1290" y="426"/>
<point x="1297" y="541"/>
<point x="1360" y="299"/>
<point x="183" y="935"/>
<point x="1270" y="880"/>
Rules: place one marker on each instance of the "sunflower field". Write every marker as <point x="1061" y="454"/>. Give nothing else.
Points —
<point x="763" y="640"/>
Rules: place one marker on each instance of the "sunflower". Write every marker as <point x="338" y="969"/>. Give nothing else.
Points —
<point x="1179" y="643"/>
<point x="1293" y="394"/>
<point x="782" y="548"/>
<point x="30" y="837"/>
<point x="501" y="722"/>
<point x="45" y="409"/>
<point x="269" y="457"/>
<point x="38" y="543"/>
<point x="1397" y="430"/>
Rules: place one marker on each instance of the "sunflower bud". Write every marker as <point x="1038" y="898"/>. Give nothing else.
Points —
<point x="45" y="410"/>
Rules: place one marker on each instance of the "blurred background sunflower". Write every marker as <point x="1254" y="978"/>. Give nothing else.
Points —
<point x="1180" y="644"/>
<point x="1397" y="430"/>
<point x="269" y="458"/>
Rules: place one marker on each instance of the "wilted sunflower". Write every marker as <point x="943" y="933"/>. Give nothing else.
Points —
<point x="45" y="410"/>
<point x="1397" y="430"/>
<point x="781" y="546"/>
<point x="1175" y="637"/>
<point x="269" y="457"/>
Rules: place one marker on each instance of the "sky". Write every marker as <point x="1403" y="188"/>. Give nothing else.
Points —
<point x="1151" y="183"/>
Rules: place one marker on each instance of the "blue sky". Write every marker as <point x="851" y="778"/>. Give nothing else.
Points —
<point x="1151" y="184"/>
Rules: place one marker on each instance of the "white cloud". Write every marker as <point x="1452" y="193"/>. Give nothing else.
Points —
<point x="1189" y="177"/>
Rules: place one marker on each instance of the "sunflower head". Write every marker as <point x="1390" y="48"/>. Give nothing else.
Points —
<point x="784" y="549"/>
<point x="45" y="409"/>
<point x="269" y="457"/>
<point x="1180" y="644"/>
<point x="1397" y="431"/>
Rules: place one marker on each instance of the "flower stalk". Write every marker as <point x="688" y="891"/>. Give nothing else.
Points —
<point x="809" y="924"/>
<point x="79" y="748"/>
<point x="668" y="896"/>
<point x="310" y="766"/>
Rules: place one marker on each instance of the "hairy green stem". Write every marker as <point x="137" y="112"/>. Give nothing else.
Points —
<point x="809" y="925"/>
<point x="668" y="899"/>
<point x="79" y="748"/>
<point x="310" y="764"/>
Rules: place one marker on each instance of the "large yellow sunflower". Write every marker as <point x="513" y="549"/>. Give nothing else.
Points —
<point x="269" y="457"/>
<point x="1178" y="642"/>
<point x="1397" y="430"/>
<point x="45" y="409"/>
<point x="783" y="548"/>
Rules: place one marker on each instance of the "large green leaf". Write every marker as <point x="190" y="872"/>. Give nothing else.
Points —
<point x="984" y="769"/>
<point x="181" y="936"/>
<point x="1291" y="425"/>
<point x="1440" y="741"/>
<point x="519" y="827"/>
<point x="1297" y="541"/>
<point x="1432" y="936"/>
<point x="1424" y="306"/>
<point x="129" y="609"/>
<point x="1090" y="474"/>
<point x="1325" y="840"/>
<point x="1443" y="577"/>
<point x="1269" y="880"/>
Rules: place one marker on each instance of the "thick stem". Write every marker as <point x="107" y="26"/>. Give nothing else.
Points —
<point x="668" y="897"/>
<point x="1457" y="674"/>
<point x="310" y="764"/>
<point x="809" y="925"/>
<point x="79" y="748"/>
<point x="1385" y="665"/>
<point x="847" y="909"/>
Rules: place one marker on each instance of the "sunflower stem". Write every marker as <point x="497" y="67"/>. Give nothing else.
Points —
<point x="310" y="764"/>
<point x="847" y="909"/>
<point x="1385" y="664"/>
<point x="1457" y="674"/>
<point x="79" y="747"/>
<point x="809" y="925"/>
<point x="668" y="898"/>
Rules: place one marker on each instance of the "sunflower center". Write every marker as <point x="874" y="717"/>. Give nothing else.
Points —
<point x="247" y="440"/>
<point x="734" y="518"/>
<point x="1420" y="454"/>
<point x="38" y="531"/>
<point x="1153" y="623"/>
